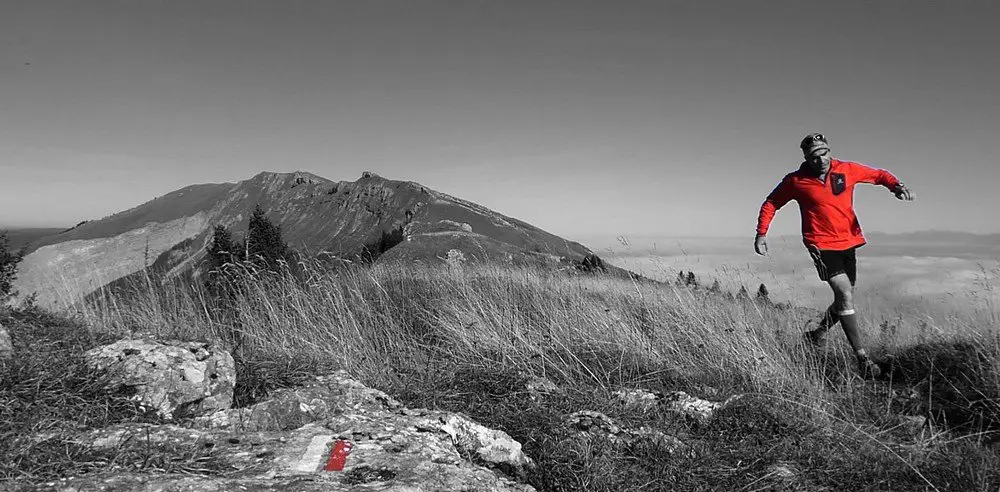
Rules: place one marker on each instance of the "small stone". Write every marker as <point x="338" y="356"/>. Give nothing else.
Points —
<point x="6" y="344"/>
<point x="586" y="420"/>
<point x="784" y="471"/>
<point x="638" y="399"/>
<point x="913" y="425"/>
<point x="538" y="386"/>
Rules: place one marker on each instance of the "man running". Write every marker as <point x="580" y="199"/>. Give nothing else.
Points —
<point x="824" y="188"/>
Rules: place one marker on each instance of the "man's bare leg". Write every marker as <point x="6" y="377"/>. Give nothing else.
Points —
<point x="843" y="299"/>
<point x="829" y="319"/>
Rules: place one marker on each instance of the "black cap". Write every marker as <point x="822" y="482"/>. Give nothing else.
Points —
<point x="813" y="142"/>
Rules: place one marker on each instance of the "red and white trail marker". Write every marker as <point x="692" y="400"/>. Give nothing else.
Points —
<point x="338" y="455"/>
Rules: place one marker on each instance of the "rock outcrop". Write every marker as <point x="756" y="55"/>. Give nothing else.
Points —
<point x="588" y="424"/>
<point x="172" y="378"/>
<point x="333" y="434"/>
<point x="691" y="407"/>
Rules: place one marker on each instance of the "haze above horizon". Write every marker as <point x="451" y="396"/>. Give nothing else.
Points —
<point x="624" y="118"/>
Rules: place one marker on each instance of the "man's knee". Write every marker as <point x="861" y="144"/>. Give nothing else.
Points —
<point x="843" y="293"/>
<point x="846" y="304"/>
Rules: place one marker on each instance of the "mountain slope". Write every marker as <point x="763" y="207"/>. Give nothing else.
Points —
<point x="315" y="214"/>
<point x="22" y="237"/>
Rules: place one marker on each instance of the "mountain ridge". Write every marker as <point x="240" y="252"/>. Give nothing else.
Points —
<point x="315" y="214"/>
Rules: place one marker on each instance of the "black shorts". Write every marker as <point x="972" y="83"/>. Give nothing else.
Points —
<point x="831" y="263"/>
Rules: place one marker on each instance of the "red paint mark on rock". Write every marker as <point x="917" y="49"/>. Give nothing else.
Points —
<point x="338" y="456"/>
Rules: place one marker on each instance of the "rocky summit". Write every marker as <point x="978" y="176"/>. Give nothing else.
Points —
<point x="316" y="215"/>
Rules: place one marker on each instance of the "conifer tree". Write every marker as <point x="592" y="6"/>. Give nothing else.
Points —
<point x="743" y="294"/>
<point x="762" y="293"/>
<point x="264" y="245"/>
<point x="224" y="249"/>
<point x="8" y="267"/>
<point x="387" y="239"/>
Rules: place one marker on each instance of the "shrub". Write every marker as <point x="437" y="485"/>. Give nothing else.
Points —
<point x="592" y="263"/>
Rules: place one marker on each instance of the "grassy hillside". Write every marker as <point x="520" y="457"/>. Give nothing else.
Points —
<point x="467" y="338"/>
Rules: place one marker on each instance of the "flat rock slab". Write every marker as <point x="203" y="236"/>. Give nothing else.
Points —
<point x="345" y="437"/>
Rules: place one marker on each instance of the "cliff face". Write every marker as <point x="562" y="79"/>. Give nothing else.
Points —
<point x="315" y="214"/>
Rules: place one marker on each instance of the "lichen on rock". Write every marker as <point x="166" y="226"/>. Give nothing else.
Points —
<point x="171" y="378"/>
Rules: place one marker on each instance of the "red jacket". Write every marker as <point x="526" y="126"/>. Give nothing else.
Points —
<point x="827" y="208"/>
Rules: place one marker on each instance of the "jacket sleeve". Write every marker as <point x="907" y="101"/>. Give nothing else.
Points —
<point x="865" y="174"/>
<point x="774" y="201"/>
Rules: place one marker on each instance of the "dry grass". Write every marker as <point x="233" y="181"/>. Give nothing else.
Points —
<point x="466" y="337"/>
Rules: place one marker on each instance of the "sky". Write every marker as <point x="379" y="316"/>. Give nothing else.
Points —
<point x="583" y="118"/>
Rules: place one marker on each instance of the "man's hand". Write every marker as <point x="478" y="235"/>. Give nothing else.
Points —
<point x="760" y="245"/>
<point x="903" y="193"/>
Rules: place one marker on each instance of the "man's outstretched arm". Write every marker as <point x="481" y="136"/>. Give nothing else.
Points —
<point x="865" y="174"/>
<point x="774" y="201"/>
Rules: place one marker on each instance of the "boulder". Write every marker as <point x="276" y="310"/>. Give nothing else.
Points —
<point x="489" y="446"/>
<point x="173" y="378"/>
